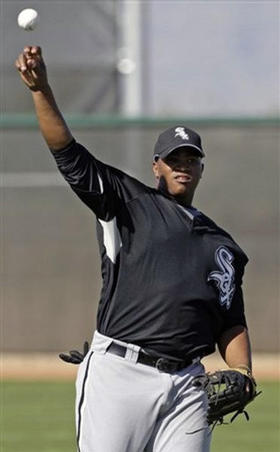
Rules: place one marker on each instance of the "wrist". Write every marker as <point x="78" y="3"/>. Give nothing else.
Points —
<point x="244" y="369"/>
<point x="41" y="90"/>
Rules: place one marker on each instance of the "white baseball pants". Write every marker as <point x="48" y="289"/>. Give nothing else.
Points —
<point x="125" y="406"/>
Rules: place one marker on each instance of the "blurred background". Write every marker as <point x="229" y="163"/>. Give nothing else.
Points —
<point x="122" y="72"/>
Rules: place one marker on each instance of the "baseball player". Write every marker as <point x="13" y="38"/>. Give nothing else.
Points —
<point x="171" y="290"/>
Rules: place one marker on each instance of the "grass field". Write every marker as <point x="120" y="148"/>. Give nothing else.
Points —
<point x="38" y="417"/>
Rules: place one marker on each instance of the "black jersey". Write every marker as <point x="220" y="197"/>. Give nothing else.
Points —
<point x="171" y="277"/>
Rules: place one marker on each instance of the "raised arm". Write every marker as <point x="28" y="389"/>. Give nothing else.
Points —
<point x="32" y="69"/>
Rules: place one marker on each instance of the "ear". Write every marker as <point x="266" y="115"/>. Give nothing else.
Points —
<point x="202" y="169"/>
<point x="156" y="169"/>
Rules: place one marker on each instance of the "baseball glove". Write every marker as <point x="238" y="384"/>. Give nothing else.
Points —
<point x="75" y="357"/>
<point x="228" y="391"/>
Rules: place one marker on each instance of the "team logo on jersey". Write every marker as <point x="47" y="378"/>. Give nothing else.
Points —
<point x="224" y="278"/>
<point x="180" y="132"/>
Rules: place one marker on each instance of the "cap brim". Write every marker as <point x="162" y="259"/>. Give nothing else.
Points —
<point x="166" y="153"/>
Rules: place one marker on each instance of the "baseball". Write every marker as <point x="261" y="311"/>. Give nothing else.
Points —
<point x="28" y="19"/>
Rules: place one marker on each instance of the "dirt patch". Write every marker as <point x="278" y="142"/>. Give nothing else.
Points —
<point x="265" y="366"/>
<point x="48" y="366"/>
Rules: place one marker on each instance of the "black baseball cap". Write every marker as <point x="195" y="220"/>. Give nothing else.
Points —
<point x="177" y="137"/>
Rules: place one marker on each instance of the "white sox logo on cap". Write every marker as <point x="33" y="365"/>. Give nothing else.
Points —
<point x="225" y="278"/>
<point x="180" y="132"/>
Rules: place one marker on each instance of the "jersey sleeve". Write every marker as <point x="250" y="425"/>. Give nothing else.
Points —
<point x="101" y="187"/>
<point x="235" y="314"/>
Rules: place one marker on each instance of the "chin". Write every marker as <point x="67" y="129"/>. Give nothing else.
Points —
<point x="182" y="191"/>
<point x="184" y="195"/>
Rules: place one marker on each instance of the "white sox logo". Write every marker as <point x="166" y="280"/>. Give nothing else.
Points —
<point x="180" y="132"/>
<point x="225" y="278"/>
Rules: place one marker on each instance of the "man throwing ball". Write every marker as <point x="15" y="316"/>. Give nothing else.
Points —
<point x="171" y="290"/>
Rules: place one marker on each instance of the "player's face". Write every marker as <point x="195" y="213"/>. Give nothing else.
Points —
<point x="179" y="173"/>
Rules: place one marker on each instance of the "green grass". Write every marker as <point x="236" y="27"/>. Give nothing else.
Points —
<point x="261" y="433"/>
<point x="39" y="417"/>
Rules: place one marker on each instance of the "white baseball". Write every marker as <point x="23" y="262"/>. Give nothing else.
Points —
<point x="28" y="19"/>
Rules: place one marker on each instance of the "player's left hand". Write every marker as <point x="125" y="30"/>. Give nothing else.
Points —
<point x="75" y="357"/>
<point x="228" y="392"/>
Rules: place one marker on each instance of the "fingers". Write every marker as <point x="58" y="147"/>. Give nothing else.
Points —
<point x="72" y="358"/>
<point x="30" y="51"/>
<point x="31" y="64"/>
<point x="64" y="357"/>
<point x="37" y="50"/>
<point x="23" y="67"/>
<point x="69" y="359"/>
<point x="17" y="65"/>
<point x="32" y="68"/>
<point x="30" y="60"/>
<point x="27" y="50"/>
<point x="76" y="354"/>
<point x="21" y="63"/>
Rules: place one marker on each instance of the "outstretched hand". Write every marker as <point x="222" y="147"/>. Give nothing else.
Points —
<point x="32" y="68"/>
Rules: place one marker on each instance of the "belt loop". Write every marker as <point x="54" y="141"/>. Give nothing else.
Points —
<point x="132" y="352"/>
<point x="100" y="342"/>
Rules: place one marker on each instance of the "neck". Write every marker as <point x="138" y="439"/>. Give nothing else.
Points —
<point x="185" y="201"/>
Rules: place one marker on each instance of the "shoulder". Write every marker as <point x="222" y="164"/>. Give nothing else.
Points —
<point x="126" y="185"/>
<point x="111" y="176"/>
<point x="202" y="223"/>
